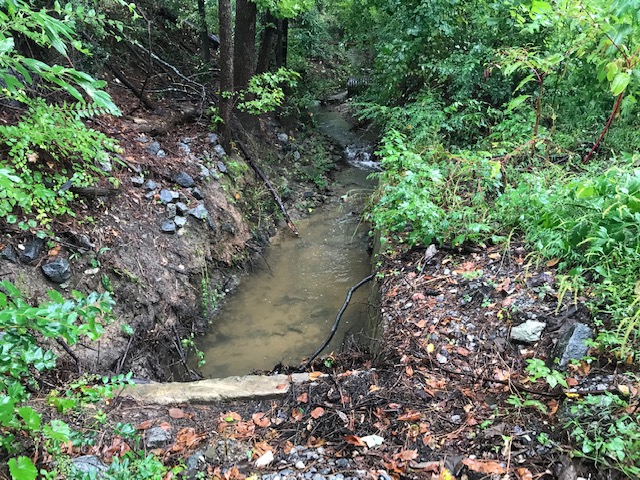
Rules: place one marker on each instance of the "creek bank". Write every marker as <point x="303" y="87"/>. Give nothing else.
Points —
<point x="185" y="222"/>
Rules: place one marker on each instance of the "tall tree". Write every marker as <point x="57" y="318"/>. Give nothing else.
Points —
<point x="225" y="102"/>
<point x="244" y="55"/>
<point x="204" y="33"/>
<point x="266" y="45"/>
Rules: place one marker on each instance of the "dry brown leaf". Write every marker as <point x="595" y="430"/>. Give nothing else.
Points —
<point x="409" y="371"/>
<point x="315" y="375"/>
<point x="553" y="262"/>
<point x="431" y="467"/>
<point x="178" y="413"/>
<point x="484" y="466"/>
<point x="463" y="351"/>
<point x="261" y="419"/>
<point x="303" y="397"/>
<point x="406" y="455"/>
<point x="166" y="426"/>
<point x="354" y="440"/>
<point x="146" y="425"/>
<point x="317" y="412"/>
<point x="282" y="386"/>
<point x="410" y="416"/>
<point x="524" y="474"/>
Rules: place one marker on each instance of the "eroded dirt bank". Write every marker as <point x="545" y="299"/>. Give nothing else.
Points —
<point x="184" y="223"/>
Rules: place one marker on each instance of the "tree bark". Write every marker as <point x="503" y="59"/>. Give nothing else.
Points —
<point x="204" y="33"/>
<point x="225" y="100"/>
<point x="266" y="46"/>
<point x="244" y="54"/>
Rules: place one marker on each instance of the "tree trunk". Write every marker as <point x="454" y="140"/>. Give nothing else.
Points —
<point x="244" y="54"/>
<point x="225" y="101"/>
<point x="282" y="43"/>
<point x="266" y="46"/>
<point x="204" y="33"/>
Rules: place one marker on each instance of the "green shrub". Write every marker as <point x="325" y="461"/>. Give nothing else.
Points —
<point x="21" y="356"/>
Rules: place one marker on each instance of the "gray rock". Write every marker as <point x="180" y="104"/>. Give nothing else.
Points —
<point x="167" y="196"/>
<point x="184" y="147"/>
<point x="192" y="460"/>
<point x="9" y="253"/>
<point x="89" y="464"/>
<point x="204" y="172"/>
<point x="184" y="180"/>
<point x="527" y="332"/>
<point x="283" y="138"/>
<point x="200" y="212"/>
<point x="105" y="164"/>
<point x="186" y="140"/>
<point x="300" y="465"/>
<point x="32" y="251"/>
<point x="137" y="181"/>
<point x="197" y="194"/>
<point x="150" y="195"/>
<point x="296" y="156"/>
<point x="571" y="345"/>
<point x="154" y="148"/>
<point x="168" y="226"/>
<point x="150" y="185"/>
<point x="180" y="221"/>
<point x="222" y="168"/>
<point x="220" y="152"/>
<point x="181" y="208"/>
<point x="227" y="451"/>
<point x="171" y="210"/>
<point x="342" y="463"/>
<point x="213" y="139"/>
<point x="142" y="139"/>
<point x="161" y="154"/>
<point x="157" y="437"/>
<point x="58" y="270"/>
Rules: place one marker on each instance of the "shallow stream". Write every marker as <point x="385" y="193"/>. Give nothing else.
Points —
<point x="284" y="311"/>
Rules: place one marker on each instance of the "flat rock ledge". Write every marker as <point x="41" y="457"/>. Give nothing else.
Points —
<point x="248" y="387"/>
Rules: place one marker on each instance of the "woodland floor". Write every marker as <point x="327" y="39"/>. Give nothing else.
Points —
<point x="436" y="392"/>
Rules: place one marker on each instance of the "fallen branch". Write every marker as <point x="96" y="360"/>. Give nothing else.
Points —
<point x="273" y="191"/>
<point x="336" y="322"/>
<point x="136" y="91"/>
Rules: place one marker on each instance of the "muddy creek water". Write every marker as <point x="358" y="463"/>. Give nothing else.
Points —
<point x="283" y="311"/>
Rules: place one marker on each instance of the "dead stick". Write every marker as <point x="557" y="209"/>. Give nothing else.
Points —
<point x="273" y="191"/>
<point x="337" y="320"/>
<point x="66" y="348"/>
<point x="136" y="91"/>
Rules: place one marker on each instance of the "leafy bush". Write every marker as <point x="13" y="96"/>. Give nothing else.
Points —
<point x="47" y="148"/>
<point x="21" y="356"/>
<point x="607" y="434"/>
<point x="434" y="196"/>
<point x="266" y="91"/>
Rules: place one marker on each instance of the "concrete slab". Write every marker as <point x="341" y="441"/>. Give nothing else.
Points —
<point x="248" y="387"/>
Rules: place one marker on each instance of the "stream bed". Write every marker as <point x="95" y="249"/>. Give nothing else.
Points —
<point x="284" y="311"/>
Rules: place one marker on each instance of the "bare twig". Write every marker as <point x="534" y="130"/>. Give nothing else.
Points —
<point x="336" y="322"/>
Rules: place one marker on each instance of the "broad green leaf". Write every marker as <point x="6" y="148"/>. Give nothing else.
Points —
<point x="516" y="102"/>
<point x="22" y="468"/>
<point x="31" y="418"/>
<point x="620" y="82"/>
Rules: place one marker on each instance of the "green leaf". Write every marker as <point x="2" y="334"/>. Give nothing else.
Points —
<point x="32" y="419"/>
<point x="620" y="82"/>
<point x="516" y="102"/>
<point x="22" y="469"/>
